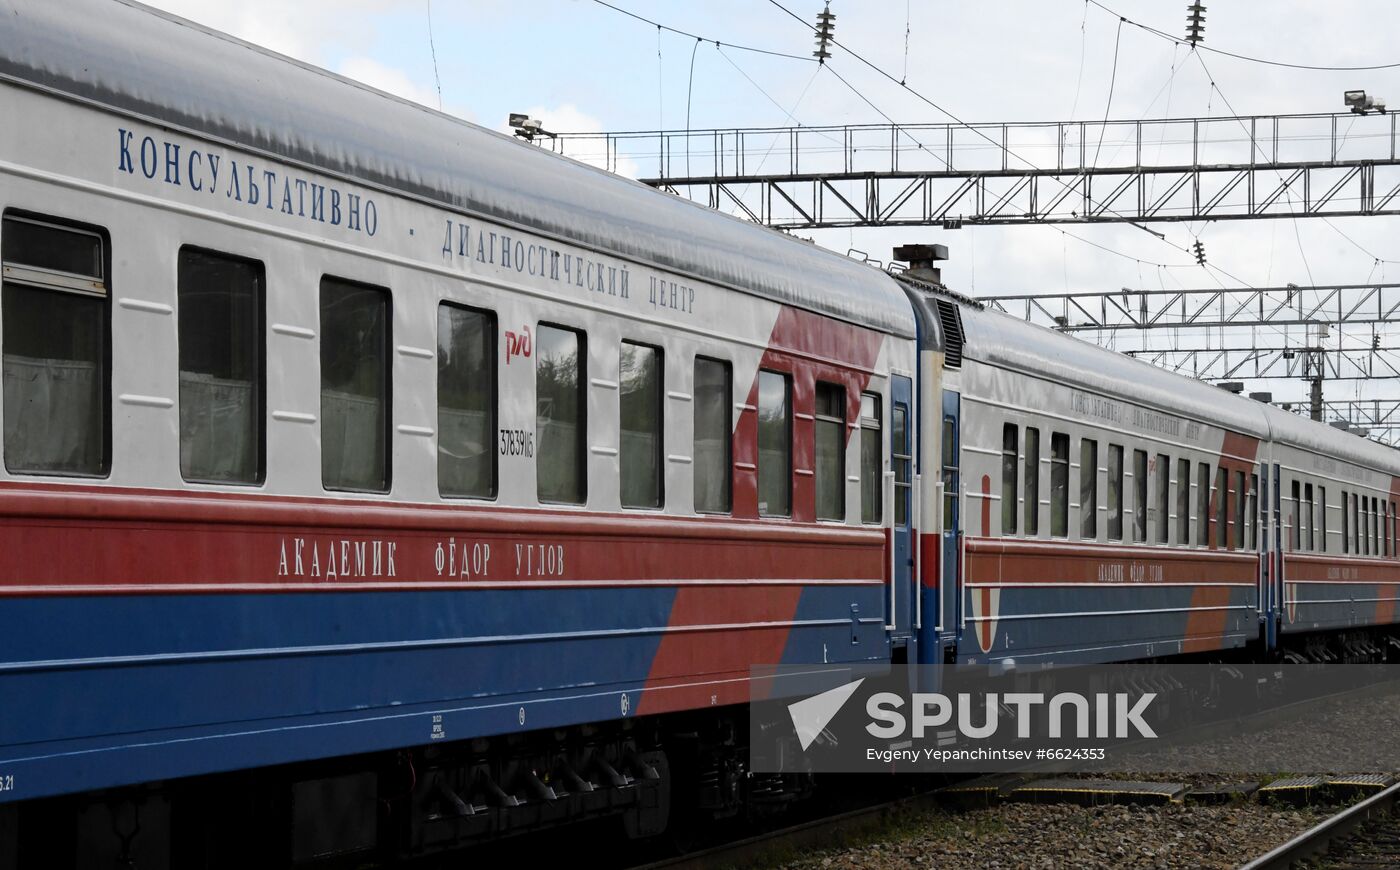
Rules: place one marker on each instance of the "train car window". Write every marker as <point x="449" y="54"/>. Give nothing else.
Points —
<point x="1366" y="548"/>
<point x="1385" y="524"/>
<point x="1346" y="523"/>
<point x="1140" y="496"/>
<point x="1220" y="507"/>
<point x="1239" y="538"/>
<point x="1390" y="528"/>
<point x="950" y="471"/>
<point x="1115" y="492"/>
<point x="1370" y="505"/>
<point x="1354" y="537"/>
<point x="561" y="425"/>
<point x="1032" y="483"/>
<point x="466" y="402"/>
<point x="1252" y="512"/>
<point x="1322" y="518"/>
<point x="1376" y="505"/>
<point x="1296" y="535"/>
<point x="56" y="373"/>
<point x="830" y="433"/>
<point x="354" y="386"/>
<point x="714" y="427"/>
<point x="641" y="444"/>
<point x="872" y="507"/>
<point x="1010" y="464"/>
<point x="1309" y="519"/>
<point x="1203" y="504"/>
<point x="1371" y="526"/>
<point x="1059" y="485"/>
<point x="1088" y="489"/>
<point x="1163" y="499"/>
<point x="1365" y="525"/>
<point x="774" y="444"/>
<point x="1183" y="502"/>
<point x="222" y="353"/>
<point x="1368" y="526"/>
<point x="901" y="461"/>
<point x="1357" y="536"/>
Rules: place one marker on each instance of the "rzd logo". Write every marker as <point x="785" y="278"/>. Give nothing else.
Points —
<point x="518" y="344"/>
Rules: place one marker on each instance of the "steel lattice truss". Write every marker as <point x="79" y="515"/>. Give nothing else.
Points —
<point x="1051" y="172"/>
<point x="1333" y="304"/>
<point x="1276" y="363"/>
<point x="1349" y="349"/>
<point x="1381" y="416"/>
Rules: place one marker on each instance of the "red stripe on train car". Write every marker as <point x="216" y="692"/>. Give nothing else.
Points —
<point x="699" y="668"/>
<point x="1385" y="607"/>
<point x="930" y="559"/>
<point x="1316" y="568"/>
<point x="59" y="540"/>
<point x="1205" y="623"/>
<point x="1011" y="562"/>
<point x="809" y="348"/>
<point x="1237" y="454"/>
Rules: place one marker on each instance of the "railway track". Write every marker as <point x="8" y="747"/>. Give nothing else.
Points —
<point x="1365" y="835"/>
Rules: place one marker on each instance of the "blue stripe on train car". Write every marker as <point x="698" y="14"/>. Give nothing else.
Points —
<point x="102" y="691"/>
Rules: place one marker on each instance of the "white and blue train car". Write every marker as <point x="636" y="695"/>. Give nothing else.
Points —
<point x="374" y="483"/>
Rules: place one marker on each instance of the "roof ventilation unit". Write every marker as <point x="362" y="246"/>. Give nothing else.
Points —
<point x="951" y="320"/>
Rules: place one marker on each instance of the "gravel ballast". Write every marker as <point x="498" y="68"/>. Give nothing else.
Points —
<point x="1064" y="835"/>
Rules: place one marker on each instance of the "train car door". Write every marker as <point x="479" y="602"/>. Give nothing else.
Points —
<point x="1264" y="540"/>
<point x="901" y="464"/>
<point x="1277" y="565"/>
<point x="949" y="577"/>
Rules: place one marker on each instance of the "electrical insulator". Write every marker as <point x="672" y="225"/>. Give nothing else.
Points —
<point x="826" y="30"/>
<point x="1195" y="23"/>
<point x="1200" y="252"/>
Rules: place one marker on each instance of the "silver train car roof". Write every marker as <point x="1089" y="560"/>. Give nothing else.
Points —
<point x="1000" y="339"/>
<point x="142" y="61"/>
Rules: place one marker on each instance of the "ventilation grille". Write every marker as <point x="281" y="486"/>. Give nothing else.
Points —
<point x="952" y="333"/>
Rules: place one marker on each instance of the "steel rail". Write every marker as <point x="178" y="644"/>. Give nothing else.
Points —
<point x="1315" y="840"/>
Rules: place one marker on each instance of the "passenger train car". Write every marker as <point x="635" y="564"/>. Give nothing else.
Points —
<point x="375" y="483"/>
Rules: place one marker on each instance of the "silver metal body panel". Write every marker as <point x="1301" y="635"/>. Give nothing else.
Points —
<point x="1000" y="340"/>
<point x="138" y="60"/>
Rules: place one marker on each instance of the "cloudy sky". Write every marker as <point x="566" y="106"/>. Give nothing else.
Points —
<point x="581" y="66"/>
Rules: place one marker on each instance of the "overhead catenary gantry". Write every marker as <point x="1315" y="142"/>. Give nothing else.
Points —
<point x="1059" y="172"/>
<point x="1289" y="305"/>
<point x="1316" y="333"/>
<point x="1253" y="362"/>
<point x="1181" y="169"/>
<point x="1380" y="416"/>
